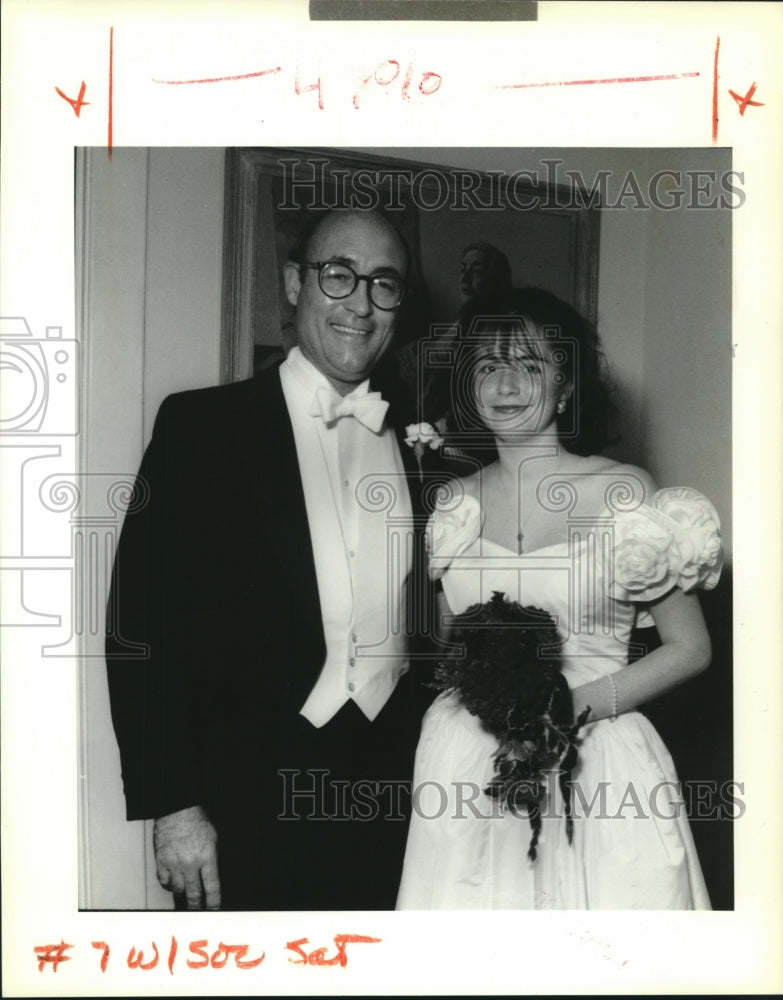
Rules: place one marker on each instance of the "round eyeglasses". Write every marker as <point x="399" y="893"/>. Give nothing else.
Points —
<point x="338" y="281"/>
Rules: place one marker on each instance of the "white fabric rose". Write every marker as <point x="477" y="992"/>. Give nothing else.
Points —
<point x="673" y="541"/>
<point x="697" y="533"/>
<point x="641" y="554"/>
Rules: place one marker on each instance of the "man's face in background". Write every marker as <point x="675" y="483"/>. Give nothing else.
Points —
<point x="474" y="275"/>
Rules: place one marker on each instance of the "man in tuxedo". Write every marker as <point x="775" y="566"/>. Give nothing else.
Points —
<point x="256" y="640"/>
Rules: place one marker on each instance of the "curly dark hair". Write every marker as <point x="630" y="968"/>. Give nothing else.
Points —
<point x="588" y="423"/>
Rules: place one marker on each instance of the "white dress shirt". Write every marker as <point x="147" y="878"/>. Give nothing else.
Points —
<point x="359" y="513"/>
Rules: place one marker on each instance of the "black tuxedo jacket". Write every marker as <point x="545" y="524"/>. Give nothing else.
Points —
<point x="215" y="638"/>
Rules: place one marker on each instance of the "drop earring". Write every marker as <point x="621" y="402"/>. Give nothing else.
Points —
<point x="561" y="406"/>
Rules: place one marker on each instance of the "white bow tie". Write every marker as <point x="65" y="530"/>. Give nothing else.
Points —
<point x="369" y="409"/>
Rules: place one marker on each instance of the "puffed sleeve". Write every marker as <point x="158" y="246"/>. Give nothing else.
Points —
<point x="451" y="529"/>
<point x="672" y="541"/>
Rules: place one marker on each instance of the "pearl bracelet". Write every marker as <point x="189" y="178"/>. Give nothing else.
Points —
<point x="614" y="697"/>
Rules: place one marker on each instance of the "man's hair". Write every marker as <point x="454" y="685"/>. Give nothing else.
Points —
<point x="300" y="249"/>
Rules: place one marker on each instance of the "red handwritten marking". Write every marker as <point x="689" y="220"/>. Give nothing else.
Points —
<point x="374" y="75"/>
<point x="238" y="951"/>
<point x="221" y="79"/>
<point x="588" y="83"/>
<point x="715" y="91"/>
<point x="386" y="73"/>
<point x="78" y="103"/>
<point x="198" y="948"/>
<point x="406" y="83"/>
<point x="172" y="954"/>
<point x="437" y="80"/>
<point x="136" y="959"/>
<point x="110" y="136"/>
<point x="318" y="955"/>
<point x="52" y="954"/>
<point x="313" y="86"/>
<point x="392" y="78"/>
<point x="221" y="955"/>
<point x="105" y="955"/>
<point x="745" y="102"/>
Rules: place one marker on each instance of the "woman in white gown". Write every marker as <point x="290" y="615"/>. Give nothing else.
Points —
<point x="550" y="523"/>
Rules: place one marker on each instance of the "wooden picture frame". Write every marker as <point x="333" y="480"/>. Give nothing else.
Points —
<point x="548" y="231"/>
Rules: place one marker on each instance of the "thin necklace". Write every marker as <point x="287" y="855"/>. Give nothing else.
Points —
<point x="515" y="500"/>
<point x="514" y="497"/>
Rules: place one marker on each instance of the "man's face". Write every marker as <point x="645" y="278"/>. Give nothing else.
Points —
<point x="473" y="274"/>
<point x="345" y="338"/>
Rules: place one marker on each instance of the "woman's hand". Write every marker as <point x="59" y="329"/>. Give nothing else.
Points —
<point x="685" y="651"/>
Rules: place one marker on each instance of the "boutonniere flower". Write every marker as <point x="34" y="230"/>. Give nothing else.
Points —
<point x="420" y="437"/>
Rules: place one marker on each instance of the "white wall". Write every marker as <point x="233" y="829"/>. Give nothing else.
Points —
<point x="150" y="324"/>
<point x="150" y="257"/>
<point x="686" y="391"/>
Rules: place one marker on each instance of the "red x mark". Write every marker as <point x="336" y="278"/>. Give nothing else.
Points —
<point x="79" y="102"/>
<point x="745" y="102"/>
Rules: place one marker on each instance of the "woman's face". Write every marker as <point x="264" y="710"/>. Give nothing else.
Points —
<point x="517" y="383"/>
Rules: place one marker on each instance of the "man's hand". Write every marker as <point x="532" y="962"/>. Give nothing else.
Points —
<point x="186" y="857"/>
